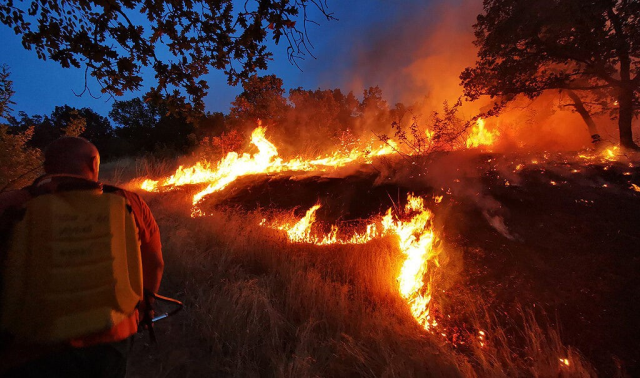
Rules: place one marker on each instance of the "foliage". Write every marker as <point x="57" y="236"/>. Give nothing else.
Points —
<point x="76" y="126"/>
<point x="528" y="47"/>
<point x="145" y="126"/>
<point x="66" y="120"/>
<point x="328" y="108"/>
<point x="219" y="146"/>
<point x="262" y="99"/>
<point x="444" y="132"/>
<point x="210" y="124"/>
<point x="319" y="116"/>
<point x="6" y="91"/>
<point x="19" y="164"/>
<point x="115" y="41"/>
<point x="97" y="129"/>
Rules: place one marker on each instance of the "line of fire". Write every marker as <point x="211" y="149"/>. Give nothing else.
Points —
<point x="457" y="196"/>
<point x="502" y="203"/>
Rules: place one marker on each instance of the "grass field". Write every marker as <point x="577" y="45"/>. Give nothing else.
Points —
<point x="260" y="306"/>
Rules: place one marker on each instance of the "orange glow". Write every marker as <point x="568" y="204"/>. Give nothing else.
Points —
<point x="219" y="175"/>
<point x="610" y="154"/>
<point x="480" y="136"/>
<point x="414" y="230"/>
<point x="412" y="226"/>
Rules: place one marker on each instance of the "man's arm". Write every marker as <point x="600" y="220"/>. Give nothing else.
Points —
<point x="150" y="245"/>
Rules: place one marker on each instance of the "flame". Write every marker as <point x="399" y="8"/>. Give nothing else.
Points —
<point x="479" y="136"/>
<point x="412" y="226"/>
<point x="301" y="230"/>
<point x="414" y="231"/>
<point x="610" y="154"/>
<point x="219" y="175"/>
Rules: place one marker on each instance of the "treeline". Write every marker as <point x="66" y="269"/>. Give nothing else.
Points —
<point x="298" y="119"/>
<point x="135" y="128"/>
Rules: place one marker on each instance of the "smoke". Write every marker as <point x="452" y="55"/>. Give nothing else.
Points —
<point x="459" y="175"/>
<point x="417" y="58"/>
<point x="419" y="55"/>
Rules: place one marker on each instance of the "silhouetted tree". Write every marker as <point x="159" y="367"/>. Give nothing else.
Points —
<point x="262" y="98"/>
<point x="6" y="91"/>
<point x="527" y="47"/>
<point x="148" y="127"/>
<point x="180" y="40"/>
<point x="210" y="124"/>
<point x="322" y="108"/>
<point x="96" y="128"/>
<point x="19" y="163"/>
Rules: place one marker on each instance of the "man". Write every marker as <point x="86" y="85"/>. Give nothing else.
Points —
<point x="75" y="162"/>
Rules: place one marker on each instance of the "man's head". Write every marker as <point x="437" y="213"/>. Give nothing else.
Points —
<point x="72" y="156"/>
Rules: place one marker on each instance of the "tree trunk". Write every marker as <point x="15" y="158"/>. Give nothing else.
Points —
<point x="586" y="117"/>
<point x="625" y="117"/>
<point x="625" y="96"/>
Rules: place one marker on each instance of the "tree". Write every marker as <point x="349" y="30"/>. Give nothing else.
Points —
<point x="6" y="91"/>
<point x="19" y="164"/>
<point x="319" y="116"/>
<point x="179" y="40"/>
<point x="527" y="47"/>
<point x="67" y="120"/>
<point x="145" y="126"/>
<point x="262" y="98"/>
<point x="97" y="129"/>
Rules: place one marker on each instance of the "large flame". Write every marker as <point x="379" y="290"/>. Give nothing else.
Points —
<point x="480" y="136"/>
<point x="218" y="176"/>
<point x="412" y="225"/>
<point x="414" y="231"/>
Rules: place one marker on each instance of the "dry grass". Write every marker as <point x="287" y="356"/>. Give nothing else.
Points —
<point x="258" y="306"/>
<point x="263" y="307"/>
<point x="520" y="347"/>
<point x="127" y="169"/>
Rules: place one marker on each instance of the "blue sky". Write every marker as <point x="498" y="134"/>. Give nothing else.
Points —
<point x="338" y="47"/>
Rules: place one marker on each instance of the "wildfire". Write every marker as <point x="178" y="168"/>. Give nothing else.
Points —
<point x="412" y="225"/>
<point x="219" y="175"/>
<point x="416" y="238"/>
<point x="480" y="136"/>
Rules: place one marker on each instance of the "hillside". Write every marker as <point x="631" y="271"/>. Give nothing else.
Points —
<point x="533" y="247"/>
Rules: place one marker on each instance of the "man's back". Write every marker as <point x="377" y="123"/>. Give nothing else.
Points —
<point x="150" y="254"/>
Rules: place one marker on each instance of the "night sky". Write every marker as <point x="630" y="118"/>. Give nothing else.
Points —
<point x="385" y="31"/>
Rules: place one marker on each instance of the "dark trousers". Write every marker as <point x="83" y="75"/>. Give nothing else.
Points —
<point x="100" y="361"/>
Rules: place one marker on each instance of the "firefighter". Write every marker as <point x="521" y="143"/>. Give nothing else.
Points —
<point x="89" y="339"/>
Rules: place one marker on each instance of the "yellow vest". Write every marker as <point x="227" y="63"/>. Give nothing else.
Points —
<point x="72" y="267"/>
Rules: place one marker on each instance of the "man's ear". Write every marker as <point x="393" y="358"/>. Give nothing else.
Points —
<point x="95" y="167"/>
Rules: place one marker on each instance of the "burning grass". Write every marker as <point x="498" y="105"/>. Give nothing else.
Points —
<point x="258" y="305"/>
<point x="281" y="293"/>
<point x="263" y="306"/>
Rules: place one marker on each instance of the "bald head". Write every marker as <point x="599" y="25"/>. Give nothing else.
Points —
<point x="72" y="156"/>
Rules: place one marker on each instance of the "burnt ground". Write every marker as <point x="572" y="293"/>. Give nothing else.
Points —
<point x="572" y="251"/>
